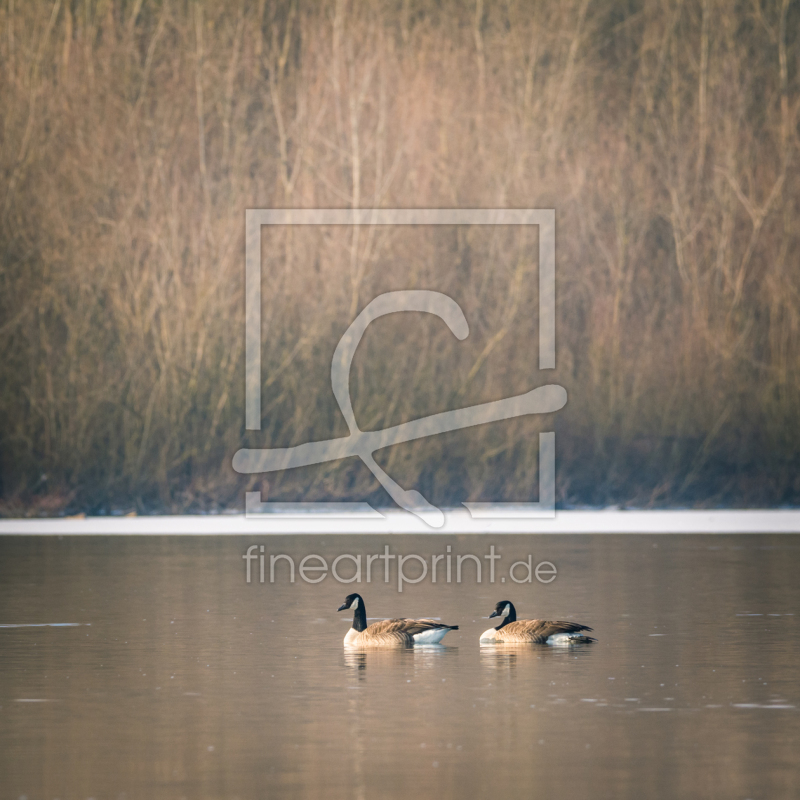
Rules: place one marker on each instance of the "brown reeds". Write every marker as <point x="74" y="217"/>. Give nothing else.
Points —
<point x="135" y="135"/>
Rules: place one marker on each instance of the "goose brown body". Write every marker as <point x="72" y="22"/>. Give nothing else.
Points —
<point x="390" y="632"/>
<point x="395" y="632"/>
<point x="534" y="631"/>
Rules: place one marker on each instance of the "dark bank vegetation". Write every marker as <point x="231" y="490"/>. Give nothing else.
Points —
<point x="135" y="134"/>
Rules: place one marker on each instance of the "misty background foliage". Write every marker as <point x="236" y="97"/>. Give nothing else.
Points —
<point x="136" y="133"/>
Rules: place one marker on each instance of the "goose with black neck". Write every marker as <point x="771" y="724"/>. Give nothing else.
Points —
<point x="390" y="632"/>
<point x="534" y="631"/>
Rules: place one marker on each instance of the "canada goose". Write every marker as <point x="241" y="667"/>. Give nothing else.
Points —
<point x="538" y="631"/>
<point x="390" y="632"/>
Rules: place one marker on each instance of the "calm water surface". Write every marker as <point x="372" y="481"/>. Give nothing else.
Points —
<point x="181" y="680"/>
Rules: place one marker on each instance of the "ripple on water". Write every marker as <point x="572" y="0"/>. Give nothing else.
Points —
<point x="43" y="624"/>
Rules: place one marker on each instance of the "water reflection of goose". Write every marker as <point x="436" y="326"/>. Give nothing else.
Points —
<point x="358" y="658"/>
<point x="535" y="631"/>
<point x="390" y="632"/>
<point x="506" y="658"/>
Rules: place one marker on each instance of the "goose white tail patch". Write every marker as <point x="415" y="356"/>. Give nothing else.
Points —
<point x="433" y="636"/>
<point x="563" y="638"/>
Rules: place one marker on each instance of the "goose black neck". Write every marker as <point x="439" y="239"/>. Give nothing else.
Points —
<point x="360" y="617"/>
<point x="512" y="617"/>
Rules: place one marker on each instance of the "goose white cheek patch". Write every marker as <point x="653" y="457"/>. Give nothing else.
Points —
<point x="506" y="611"/>
<point x="355" y="604"/>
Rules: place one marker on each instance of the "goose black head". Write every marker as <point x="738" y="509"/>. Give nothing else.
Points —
<point x="352" y="601"/>
<point x="505" y="608"/>
<point x="355" y="602"/>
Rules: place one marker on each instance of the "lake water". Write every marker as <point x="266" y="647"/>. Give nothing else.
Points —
<point x="176" y="678"/>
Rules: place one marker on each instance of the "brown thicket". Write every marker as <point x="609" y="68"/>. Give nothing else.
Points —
<point x="135" y="134"/>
